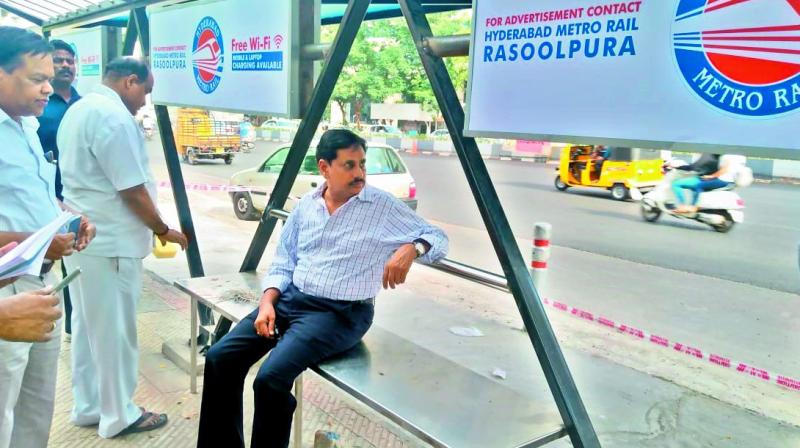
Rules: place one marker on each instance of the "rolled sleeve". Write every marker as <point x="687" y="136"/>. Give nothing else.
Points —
<point x="439" y="244"/>
<point x="405" y="226"/>
<point x="281" y="271"/>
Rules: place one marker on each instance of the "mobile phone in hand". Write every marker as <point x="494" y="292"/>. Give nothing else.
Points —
<point x="74" y="226"/>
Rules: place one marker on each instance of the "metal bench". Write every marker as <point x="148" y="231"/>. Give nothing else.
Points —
<point x="436" y="399"/>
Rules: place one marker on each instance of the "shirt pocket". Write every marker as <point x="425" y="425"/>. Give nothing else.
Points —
<point x="48" y="173"/>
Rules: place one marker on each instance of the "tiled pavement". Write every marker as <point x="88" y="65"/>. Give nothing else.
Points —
<point x="163" y="315"/>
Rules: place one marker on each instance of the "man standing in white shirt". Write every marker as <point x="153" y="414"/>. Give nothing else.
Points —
<point x="27" y="188"/>
<point x="106" y="174"/>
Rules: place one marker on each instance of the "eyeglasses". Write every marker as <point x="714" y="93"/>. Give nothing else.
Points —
<point x="60" y="60"/>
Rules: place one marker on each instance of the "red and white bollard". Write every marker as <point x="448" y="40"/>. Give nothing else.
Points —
<point x="540" y="254"/>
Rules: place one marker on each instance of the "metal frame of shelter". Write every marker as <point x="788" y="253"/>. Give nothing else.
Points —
<point x="431" y="49"/>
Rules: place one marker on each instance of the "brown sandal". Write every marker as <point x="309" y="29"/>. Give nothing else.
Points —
<point x="147" y="422"/>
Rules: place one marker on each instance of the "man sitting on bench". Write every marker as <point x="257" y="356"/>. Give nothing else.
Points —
<point x="338" y="246"/>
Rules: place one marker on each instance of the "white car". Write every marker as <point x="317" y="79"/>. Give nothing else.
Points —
<point x="281" y="124"/>
<point x="385" y="170"/>
<point x="383" y="129"/>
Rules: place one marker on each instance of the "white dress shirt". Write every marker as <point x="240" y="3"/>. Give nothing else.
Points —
<point x="27" y="181"/>
<point x="102" y="153"/>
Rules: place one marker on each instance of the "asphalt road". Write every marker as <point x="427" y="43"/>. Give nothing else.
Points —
<point x="761" y="252"/>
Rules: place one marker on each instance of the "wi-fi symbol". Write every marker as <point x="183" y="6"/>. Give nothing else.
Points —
<point x="278" y="39"/>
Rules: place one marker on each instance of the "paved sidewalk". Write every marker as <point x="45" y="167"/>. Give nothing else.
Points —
<point x="163" y="314"/>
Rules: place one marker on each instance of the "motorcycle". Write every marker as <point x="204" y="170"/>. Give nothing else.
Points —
<point x="720" y="209"/>
<point x="248" y="146"/>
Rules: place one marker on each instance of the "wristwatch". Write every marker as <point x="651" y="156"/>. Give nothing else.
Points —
<point x="420" y="248"/>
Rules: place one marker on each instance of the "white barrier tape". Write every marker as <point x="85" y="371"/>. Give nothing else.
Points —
<point x="722" y="361"/>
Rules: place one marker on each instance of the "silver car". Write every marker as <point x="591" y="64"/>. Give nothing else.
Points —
<point x="385" y="170"/>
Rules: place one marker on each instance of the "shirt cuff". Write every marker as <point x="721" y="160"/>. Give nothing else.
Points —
<point x="278" y="282"/>
<point x="438" y="248"/>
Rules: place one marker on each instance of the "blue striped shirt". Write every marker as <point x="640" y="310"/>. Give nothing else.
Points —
<point x="342" y="256"/>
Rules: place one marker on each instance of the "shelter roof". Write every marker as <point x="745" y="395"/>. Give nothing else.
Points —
<point x="52" y="14"/>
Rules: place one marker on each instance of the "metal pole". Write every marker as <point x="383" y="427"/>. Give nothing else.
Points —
<point x="131" y="35"/>
<point x="351" y="21"/>
<point x="315" y="52"/>
<point x="143" y="29"/>
<point x="447" y="46"/>
<point x="182" y="204"/>
<point x="555" y="368"/>
<point x="176" y="177"/>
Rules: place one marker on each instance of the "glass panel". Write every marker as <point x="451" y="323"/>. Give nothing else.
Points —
<point x="310" y="165"/>
<point x="275" y="163"/>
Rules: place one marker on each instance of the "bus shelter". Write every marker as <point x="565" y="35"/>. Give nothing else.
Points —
<point x="491" y="48"/>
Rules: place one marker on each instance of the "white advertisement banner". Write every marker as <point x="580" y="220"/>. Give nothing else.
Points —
<point x="88" y="46"/>
<point x="228" y="55"/>
<point x="720" y="75"/>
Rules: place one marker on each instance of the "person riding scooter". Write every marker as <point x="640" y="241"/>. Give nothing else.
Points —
<point x="720" y="209"/>
<point x="703" y="166"/>
<point x="729" y="166"/>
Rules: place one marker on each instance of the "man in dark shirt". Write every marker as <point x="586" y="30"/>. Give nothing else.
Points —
<point x="64" y="95"/>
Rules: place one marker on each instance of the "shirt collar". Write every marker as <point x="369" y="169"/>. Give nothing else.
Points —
<point x="4" y="116"/>
<point x="365" y="195"/>
<point x="27" y="122"/>
<point x="107" y="92"/>
<point x="73" y="96"/>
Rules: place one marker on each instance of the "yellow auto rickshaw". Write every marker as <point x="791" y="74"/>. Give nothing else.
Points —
<point x="613" y="168"/>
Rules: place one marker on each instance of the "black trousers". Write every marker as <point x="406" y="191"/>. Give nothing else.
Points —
<point x="311" y="328"/>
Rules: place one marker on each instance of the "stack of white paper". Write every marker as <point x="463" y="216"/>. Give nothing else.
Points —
<point x="27" y="257"/>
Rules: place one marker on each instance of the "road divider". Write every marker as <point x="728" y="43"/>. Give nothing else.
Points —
<point x="211" y="187"/>
<point x="695" y="352"/>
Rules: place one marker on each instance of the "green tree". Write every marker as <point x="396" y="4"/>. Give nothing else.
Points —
<point x="366" y="76"/>
<point x="383" y="62"/>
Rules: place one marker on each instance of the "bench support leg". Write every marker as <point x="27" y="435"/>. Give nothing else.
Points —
<point x="193" y="348"/>
<point x="298" y="412"/>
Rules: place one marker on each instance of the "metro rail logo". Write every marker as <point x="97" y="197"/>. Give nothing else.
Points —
<point x="207" y="55"/>
<point x="740" y="56"/>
